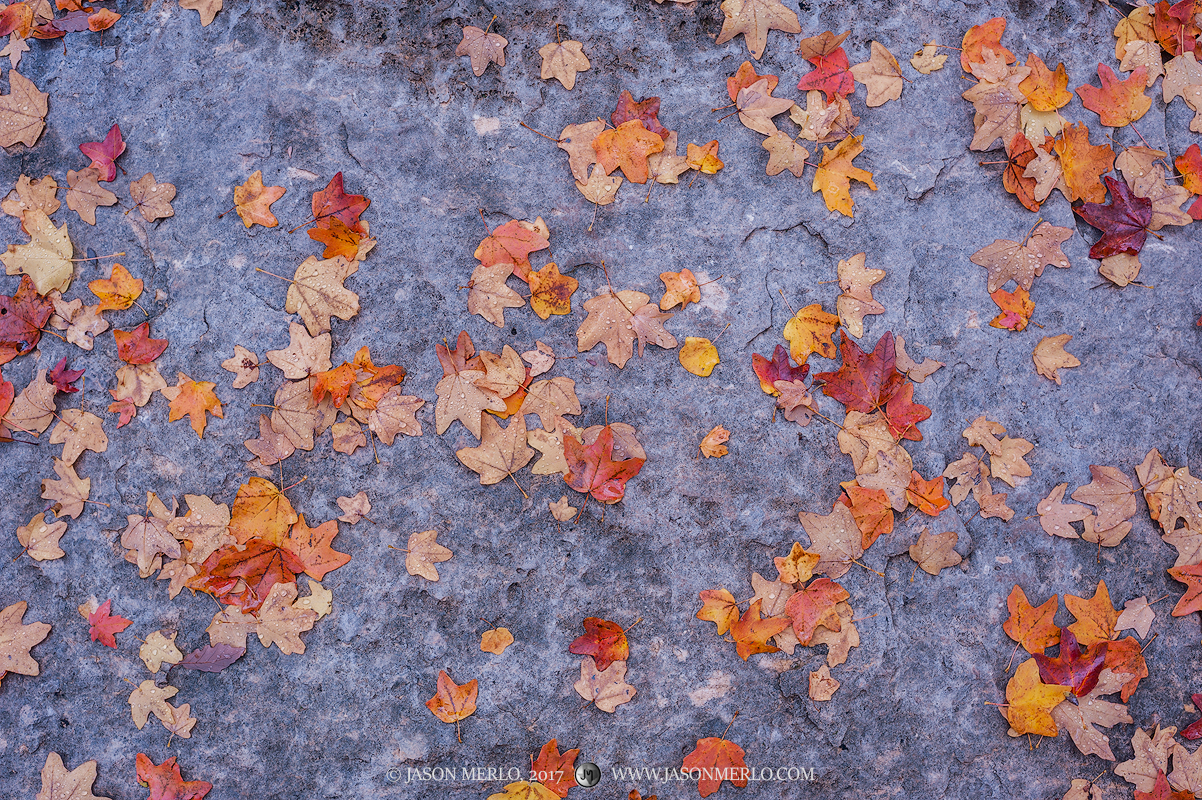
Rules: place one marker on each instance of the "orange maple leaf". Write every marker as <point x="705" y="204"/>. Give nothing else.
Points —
<point x="1033" y="627"/>
<point x="813" y="606"/>
<point x="512" y="243"/>
<point x="751" y="634"/>
<point x="453" y="702"/>
<point x="1083" y="163"/>
<point x="335" y="382"/>
<point x="1117" y="103"/>
<point x="926" y="496"/>
<point x="193" y="399"/>
<point x="339" y="239"/>
<point x="118" y="291"/>
<point x="261" y="510"/>
<point x="1045" y="90"/>
<point x="718" y="607"/>
<point x="332" y="201"/>
<point x="252" y="201"/>
<point x="871" y="510"/>
<point x="555" y="770"/>
<point x="704" y="158"/>
<point x="1095" y="616"/>
<point x="715" y="760"/>
<point x="627" y="146"/>
<point x="834" y="175"/>
<point x="551" y="292"/>
<point x="1017" y="308"/>
<point x="311" y="546"/>
<point x="605" y="641"/>
<point x="983" y="36"/>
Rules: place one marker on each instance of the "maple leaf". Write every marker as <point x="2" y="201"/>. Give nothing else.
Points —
<point x="823" y="122"/>
<point x="784" y="154"/>
<point x="317" y="293"/>
<point x="22" y="317"/>
<point x="206" y="8"/>
<point x="68" y="493"/>
<point x="933" y="553"/>
<point x="453" y="702"/>
<point x="1117" y="103"/>
<point x="424" y="553"/>
<point x="105" y="627"/>
<point x="281" y="623"/>
<point x="835" y="173"/>
<point x="1189" y="164"/>
<point x="560" y="509"/>
<point x="39" y="194"/>
<point x="146" y="535"/>
<point x="864" y="382"/>
<point x="502" y="451"/>
<point x="927" y="496"/>
<point x="926" y="61"/>
<point x="810" y="331"/>
<point x="1080" y="718"/>
<point x="1056" y="516"/>
<point x="1162" y="791"/>
<point x="78" y="431"/>
<point x="245" y="365"/>
<point x="719" y="607"/>
<point x="524" y="790"/>
<point x="712" y="445"/>
<point x="86" y="194"/>
<point x="856" y="301"/>
<point x="699" y="356"/>
<point x="303" y="356"/>
<point x="1050" y="356"/>
<point x="831" y="75"/>
<point x="714" y="760"/>
<point x="1030" y="701"/>
<point x="1137" y="615"/>
<point x="1083" y="164"/>
<point x="551" y="399"/>
<point x="780" y="368"/>
<point x="1174" y="26"/>
<point x="58" y="783"/>
<point x="756" y="106"/>
<point x="835" y="537"/>
<point x="252" y="201"/>
<point x="258" y="566"/>
<point x="1111" y="492"/>
<point x="1125" y="657"/>
<point x="192" y="399"/>
<point x="881" y="74"/>
<point x="617" y="320"/>
<point x="1136" y="26"/>
<point x="1019" y="155"/>
<point x="554" y="770"/>
<point x="679" y="288"/>
<point x="22" y="111"/>
<point x="165" y="781"/>
<point x="605" y="641"/>
<point x="645" y="110"/>
<point x="1031" y="626"/>
<point x="334" y="202"/>
<point x="1095" y="616"/>
<point x="312" y="547"/>
<point x="104" y="154"/>
<point x="813" y="606"/>
<point x="704" y="159"/>
<point x="986" y="36"/>
<point x="627" y="146"/>
<point x="753" y="19"/>
<point x="136" y="346"/>
<point x="751" y="633"/>
<point x="998" y="106"/>
<point x="1016" y="307"/>
<point x="746" y="76"/>
<point x="551" y="292"/>
<point x="1073" y="668"/>
<point x="118" y="291"/>
<point x="577" y="142"/>
<point x="1007" y="260"/>
<point x="607" y="689"/>
<point x="1166" y="198"/>
<point x="1045" y="90"/>
<point x="593" y="470"/>
<point x="151" y="198"/>
<point x="80" y="322"/>
<point x="495" y="640"/>
<point x="1191" y="601"/>
<point x="562" y="60"/>
<point x="46" y="258"/>
<point x="17" y="639"/>
<point x="871" y="510"/>
<point x="1146" y="55"/>
<point x="34" y="407"/>
<point x="512" y="243"/>
<point x="482" y="48"/>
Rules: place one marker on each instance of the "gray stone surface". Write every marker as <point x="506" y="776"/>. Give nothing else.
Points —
<point x="304" y="89"/>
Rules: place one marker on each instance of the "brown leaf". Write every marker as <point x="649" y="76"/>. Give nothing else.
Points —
<point x="424" y="553"/>
<point x="86" y="193"/>
<point x="22" y="112"/>
<point x="151" y="198"/>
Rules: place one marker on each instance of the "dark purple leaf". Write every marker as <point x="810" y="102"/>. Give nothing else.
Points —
<point x="212" y="658"/>
<point x="63" y="378"/>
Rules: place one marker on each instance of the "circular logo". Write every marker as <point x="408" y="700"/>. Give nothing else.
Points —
<point x="588" y="774"/>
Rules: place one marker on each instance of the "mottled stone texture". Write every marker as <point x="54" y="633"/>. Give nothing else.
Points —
<point x="302" y="89"/>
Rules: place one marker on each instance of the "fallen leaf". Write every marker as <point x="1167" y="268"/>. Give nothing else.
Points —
<point x="1050" y="356"/>
<point x="22" y="111"/>
<point x="58" y="783"/>
<point x="1117" y="103"/>
<point x="881" y="75"/>
<point x="753" y="19"/>
<point x="699" y="356"/>
<point x="756" y="106"/>
<point x="562" y="60"/>
<point x="831" y="74"/>
<point x="704" y="159"/>
<point x="17" y="639"/>
<point x="835" y="173"/>
<point x="714" y="759"/>
<point x="560" y="508"/>
<point x="105" y="627"/>
<point x="1095" y="616"/>
<point x="165" y="781"/>
<point x="607" y="689"/>
<point x="1082" y="718"/>
<point x="40" y="538"/>
<point x="1083" y="164"/>
<point x="46" y="258"/>
<point x="784" y="153"/>
<point x="502" y="451"/>
<point x="810" y="331"/>
<point x="835" y="537"/>
<point x="551" y="292"/>
<point x="719" y="607"/>
<point x="317" y="293"/>
<point x="151" y="198"/>
<point x="1056" y="516"/>
<point x="822" y="685"/>
<point x="252" y="201"/>
<point x="1030" y="701"/>
<point x="593" y="469"/>
<point x="617" y="320"/>
<point x="600" y="188"/>
<point x="482" y="48"/>
<point x="926" y="61"/>
<point x="86" y="194"/>
<point x="933" y="553"/>
<point x="1044" y="89"/>
<point x="68" y="493"/>
<point x="495" y="640"/>
<point x="986" y="36"/>
<point x="78" y="431"/>
<point x="423" y="553"/>
<point x="1016" y="307"/>
<point x="206" y="8"/>
<point x="1137" y="615"/>
<point x="712" y="444"/>
<point x="1007" y="260"/>
<point x="28" y="194"/>
<point x="1033" y="627"/>
<point x="927" y="496"/>
<point x="679" y="288"/>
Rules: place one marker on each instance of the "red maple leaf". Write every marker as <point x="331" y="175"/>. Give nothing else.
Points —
<point x="104" y="154"/>
<point x="136" y="346"/>
<point x="1072" y="667"/>
<point x="780" y="368"/>
<point x="592" y="470"/>
<point x="646" y="110"/>
<point x="715" y="760"/>
<point x="1194" y="729"/>
<point x="1020" y="153"/>
<point x="261" y="565"/>
<point x="165" y="781"/>
<point x="864" y="382"/>
<point x="7" y="393"/>
<point x="125" y="408"/>
<point x="21" y="319"/>
<point x="104" y="627"/>
<point x="903" y="414"/>
<point x="605" y="641"/>
<point x="1174" y="27"/>
<point x="512" y="243"/>
<point x="1191" y="601"/>
<point x="332" y="201"/>
<point x="554" y="770"/>
<point x="63" y="378"/>
<point x="1123" y="222"/>
<point x="1162" y="791"/>
<point x="831" y="74"/>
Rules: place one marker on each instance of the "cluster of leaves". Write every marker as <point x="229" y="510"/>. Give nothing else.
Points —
<point x="1020" y="105"/>
<point x="164" y="781"/>
<point x="553" y="772"/>
<point x="1006" y="463"/>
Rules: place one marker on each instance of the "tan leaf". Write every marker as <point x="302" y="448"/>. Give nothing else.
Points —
<point x="152" y="199"/>
<point x="550" y="399"/>
<point x="137" y="383"/>
<point x="926" y="61"/>
<point x="666" y="166"/>
<point x="1187" y="770"/>
<point x="504" y="374"/>
<point x="607" y="689"/>
<point x="354" y="508"/>
<point x="1137" y="616"/>
<point x="998" y="105"/>
<point x="550" y="444"/>
<point x="881" y="74"/>
<point x="16" y="640"/>
<point x="40" y="538"/>
<point x="822" y="685"/>
<point x="206" y="8"/>
<point x="33" y="409"/>
<point x="933" y="553"/>
<point x="785" y="154"/>
<point x="179" y="721"/>
<point x="245" y="366"/>
<point x="1111" y="492"/>
<point x="348" y="436"/>
<point x="206" y="526"/>
<point x="22" y="112"/>
<point x="835" y="537"/>
<point x="147" y="535"/>
<point x="86" y="194"/>
<point x="1120" y="269"/>
<point x="395" y="413"/>
<point x="600" y="188"/>
<point x="1166" y="199"/>
<point x="540" y="359"/>
<point x="756" y="106"/>
<point x="856" y="282"/>
<point x="78" y="431"/>
<point x="577" y="142"/>
<point x="39" y="194"/>
<point x="231" y="626"/>
<point x="838" y="643"/>
<point x="16" y="46"/>
<point x="502" y="451"/>
<point x="1055" y="515"/>
<point x="712" y="447"/>
<point x="561" y="510"/>
<point x="159" y="649"/>
<point x="482" y="48"/>
<point x="495" y="640"/>
<point x="1007" y="463"/>
<point x="298" y="417"/>
<point x="1050" y="356"/>
<point x="1180" y="73"/>
<point x="1081" y="719"/>
<point x="59" y="784"/>
<point x="1146" y="55"/>
<point x="914" y="371"/>
<point x="280" y="623"/>
<point x="46" y="258"/>
<point x="460" y="399"/>
<point x="488" y="295"/>
<point x="69" y="492"/>
<point x="424" y="553"/>
<point x="1151" y="756"/>
<point x="147" y="698"/>
<point x="617" y="320"/>
<point x="796" y="401"/>
<point x="319" y="600"/>
<point x="317" y="293"/>
<point x="562" y="60"/>
<point x="753" y="19"/>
